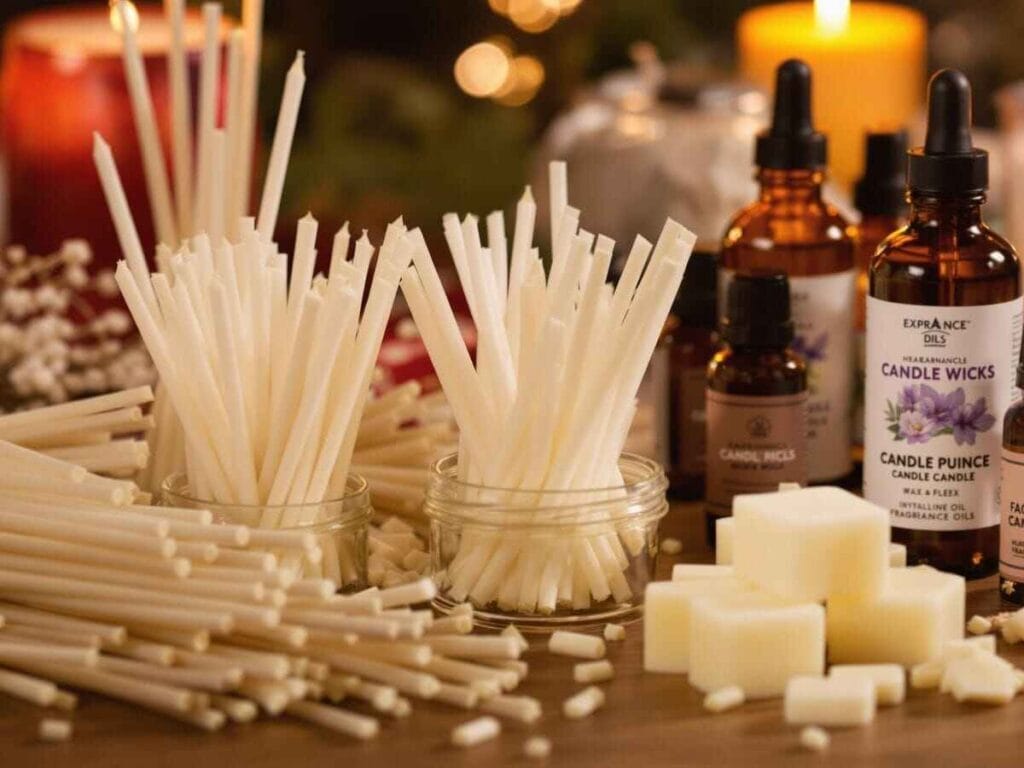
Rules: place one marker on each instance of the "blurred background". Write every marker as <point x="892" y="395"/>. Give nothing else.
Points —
<point x="417" y="107"/>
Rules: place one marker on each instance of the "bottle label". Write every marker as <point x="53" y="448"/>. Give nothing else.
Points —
<point x="691" y="418"/>
<point x="1011" y="503"/>
<point x="939" y="380"/>
<point x="822" y="308"/>
<point x="754" y="443"/>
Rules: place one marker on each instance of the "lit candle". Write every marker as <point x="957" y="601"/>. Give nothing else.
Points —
<point x="64" y="78"/>
<point x="868" y="61"/>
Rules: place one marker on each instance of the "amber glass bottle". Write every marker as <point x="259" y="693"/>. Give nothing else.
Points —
<point x="791" y="229"/>
<point x="1011" y="504"/>
<point x="880" y="197"/>
<point x="689" y="343"/>
<point x="756" y="398"/>
<point x="943" y="340"/>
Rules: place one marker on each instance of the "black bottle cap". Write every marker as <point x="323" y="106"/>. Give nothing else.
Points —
<point x="696" y="302"/>
<point x="882" y="189"/>
<point x="757" y="312"/>
<point x="948" y="163"/>
<point x="791" y="143"/>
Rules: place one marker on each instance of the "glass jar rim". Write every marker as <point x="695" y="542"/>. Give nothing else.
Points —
<point x="635" y="499"/>
<point x="354" y="504"/>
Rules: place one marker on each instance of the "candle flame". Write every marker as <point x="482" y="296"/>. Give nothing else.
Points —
<point x="131" y="14"/>
<point x="832" y="16"/>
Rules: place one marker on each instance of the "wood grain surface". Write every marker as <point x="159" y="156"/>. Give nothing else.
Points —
<point x="648" y="721"/>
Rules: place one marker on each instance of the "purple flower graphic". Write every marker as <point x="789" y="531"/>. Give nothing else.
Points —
<point x="971" y="419"/>
<point x="940" y="408"/>
<point x="811" y="351"/>
<point x="908" y="397"/>
<point x="920" y="413"/>
<point x="915" y="427"/>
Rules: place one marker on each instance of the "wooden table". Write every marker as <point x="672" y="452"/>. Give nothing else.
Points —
<point x="649" y="721"/>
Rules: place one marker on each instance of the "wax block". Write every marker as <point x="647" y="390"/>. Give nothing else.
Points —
<point x="811" y="544"/>
<point x="724" y="527"/>
<point x="689" y="571"/>
<point x="982" y="678"/>
<point x="667" y="607"/>
<point x="755" y="641"/>
<point x="829" y="701"/>
<point x="909" y="623"/>
<point x="897" y="556"/>
<point x="890" y="680"/>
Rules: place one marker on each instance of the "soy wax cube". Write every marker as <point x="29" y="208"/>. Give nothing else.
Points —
<point x="667" y="607"/>
<point x="811" y="544"/>
<point x="909" y="623"/>
<point x="754" y="640"/>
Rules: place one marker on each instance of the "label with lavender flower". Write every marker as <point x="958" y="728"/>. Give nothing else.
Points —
<point x="939" y="380"/>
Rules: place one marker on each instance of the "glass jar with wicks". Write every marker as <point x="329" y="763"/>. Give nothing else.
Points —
<point x="339" y="526"/>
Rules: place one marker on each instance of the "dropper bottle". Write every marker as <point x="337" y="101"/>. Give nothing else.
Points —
<point x="943" y="337"/>
<point x="790" y="229"/>
<point x="881" y="199"/>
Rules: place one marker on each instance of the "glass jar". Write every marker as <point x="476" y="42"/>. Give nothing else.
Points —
<point x="340" y="525"/>
<point x="545" y="559"/>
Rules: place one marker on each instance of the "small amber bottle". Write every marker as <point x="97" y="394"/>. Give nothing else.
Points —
<point x="880" y="197"/>
<point x="792" y="230"/>
<point x="1011" y="503"/>
<point x="943" y="339"/>
<point x="689" y="343"/>
<point x="756" y="397"/>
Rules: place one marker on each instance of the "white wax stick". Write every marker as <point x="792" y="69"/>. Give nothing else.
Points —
<point x="117" y="203"/>
<point x="522" y="240"/>
<point x="371" y="334"/>
<point x="181" y="115"/>
<point x="475" y="732"/>
<point x="209" y="74"/>
<point x="126" y="398"/>
<point x="157" y="347"/>
<point x="233" y="127"/>
<point x="65" y="550"/>
<point x="630" y="277"/>
<point x="558" y="185"/>
<point x="498" y="246"/>
<point x="14" y="652"/>
<point x="584" y="703"/>
<point x="157" y="696"/>
<point x="561" y="254"/>
<point x="454" y="237"/>
<point x="157" y="185"/>
<point x="287" y="116"/>
<point x="350" y="723"/>
<point x="41" y="463"/>
<point x="33" y="525"/>
<point x="109" y="633"/>
<point x="252" y="23"/>
<point x="34" y="690"/>
<point x="243" y="458"/>
<point x="525" y="709"/>
<point x="576" y="644"/>
<point x="339" y="251"/>
<point x="216" y="168"/>
<point x="475" y="647"/>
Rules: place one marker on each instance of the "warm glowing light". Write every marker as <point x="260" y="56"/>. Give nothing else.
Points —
<point x="525" y="78"/>
<point x="131" y="14"/>
<point x="482" y="69"/>
<point x="533" y="15"/>
<point x="499" y="6"/>
<point x="831" y="16"/>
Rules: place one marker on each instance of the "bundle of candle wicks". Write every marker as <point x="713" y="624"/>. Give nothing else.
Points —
<point x="402" y="433"/>
<point x="560" y="358"/>
<point x="212" y="173"/>
<point x="98" y="433"/>
<point x="161" y="608"/>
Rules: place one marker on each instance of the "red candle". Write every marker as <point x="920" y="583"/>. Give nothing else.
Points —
<point x="62" y="79"/>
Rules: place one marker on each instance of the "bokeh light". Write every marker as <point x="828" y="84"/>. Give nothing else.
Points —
<point x="532" y="15"/>
<point x="526" y="76"/>
<point x="482" y="69"/>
